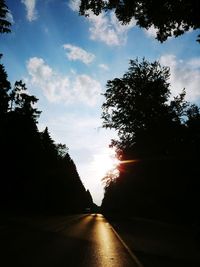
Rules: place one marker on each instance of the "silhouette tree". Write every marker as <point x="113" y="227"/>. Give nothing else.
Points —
<point x="110" y="178"/>
<point x="136" y="104"/>
<point x="170" y="18"/>
<point x="179" y="107"/>
<point x="4" y="23"/>
<point x="36" y="174"/>
<point x="161" y="136"/>
<point x="62" y="150"/>
<point x="5" y="86"/>
<point x="4" y="83"/>
<point x="193" y="131"/>
<point x="89" y="198"/>
<point x="23" y="103"/>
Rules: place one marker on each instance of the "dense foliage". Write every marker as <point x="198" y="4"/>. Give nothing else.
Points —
<point x="161" y="136"/>
<point x="4" y="23"/>
<point x="36" y="174"/>
<point x="170" y="18"/>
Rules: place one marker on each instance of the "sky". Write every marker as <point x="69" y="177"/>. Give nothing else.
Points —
<point x="66" y="60"/>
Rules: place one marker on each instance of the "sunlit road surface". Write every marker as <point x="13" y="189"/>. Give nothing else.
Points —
<point x="87" y="240"/>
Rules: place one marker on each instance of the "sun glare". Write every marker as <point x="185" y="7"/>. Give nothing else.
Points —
<point x="105" y="162"/>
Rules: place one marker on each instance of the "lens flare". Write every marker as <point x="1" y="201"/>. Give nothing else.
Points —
<point x="128" y="161"/>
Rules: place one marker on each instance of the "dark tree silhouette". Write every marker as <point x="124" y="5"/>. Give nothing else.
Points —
<point x="170" y="18"/>
<point x="4" y="90"/>
<point x="160" y="138"/>
<point x="36" y="174"/>
<point x="48" y="143"/>
<point x="4" y="23"/>
<point x="4" y="83"/>
<point x="62" y="150"/>
<point x="136" y="107"/>
<point x="89" y="197"/>
<point x="23" y="103"/>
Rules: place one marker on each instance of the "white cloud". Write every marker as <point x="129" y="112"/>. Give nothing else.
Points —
<point x="60" y="88"/>
<point x="194" y="63"/>
<point x="184" y="74"/>
<point x="86" y="89"/>
<point x="77" y="53"/>
<point x="105" y="27"/>
<point x="151" y="32"/>
<point x="30" y="9"/>
<point x="104" y="67"/>
<point x="74" y="5"/>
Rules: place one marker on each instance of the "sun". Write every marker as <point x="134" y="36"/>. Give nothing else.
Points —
<point x="104" y="162"/>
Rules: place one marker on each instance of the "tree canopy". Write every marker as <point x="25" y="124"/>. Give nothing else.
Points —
<point x="137" y="100"/>
<point x="5" y="86"/>
<point x="4" y="23"/>
<point x="36" y="174"/>
<point x="158" y="143"/>
<point x="138" y="106"/>
<point x="170" y="18"/>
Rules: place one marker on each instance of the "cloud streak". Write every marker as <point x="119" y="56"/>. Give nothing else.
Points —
<point x="77" y="53"/>
<point x="30" y="9"/>
<point x="104" y="67"/>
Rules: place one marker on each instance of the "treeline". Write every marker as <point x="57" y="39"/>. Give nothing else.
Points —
<point x="168" y="18"/>
<point x="158" y="145"/>
<point x="36" y="175"/>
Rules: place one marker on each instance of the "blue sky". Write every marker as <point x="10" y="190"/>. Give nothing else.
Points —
<point x="66" y="59"/>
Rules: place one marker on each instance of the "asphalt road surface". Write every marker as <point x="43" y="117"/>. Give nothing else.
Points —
<point x="83" y="241"/>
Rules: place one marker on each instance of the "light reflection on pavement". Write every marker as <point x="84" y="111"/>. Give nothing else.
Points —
<point x="76" y="241"/>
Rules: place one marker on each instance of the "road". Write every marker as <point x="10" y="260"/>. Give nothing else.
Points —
<point x="84" y="240"/>
<point x="159" y="244"/>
